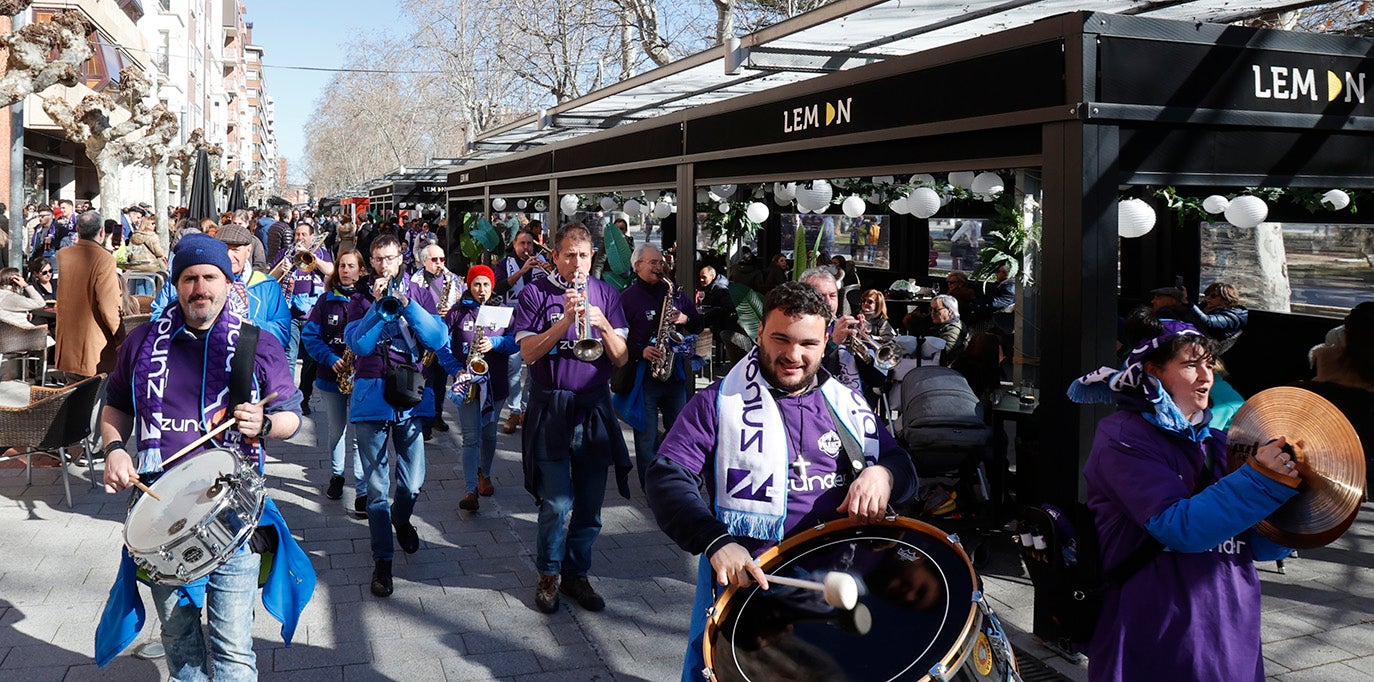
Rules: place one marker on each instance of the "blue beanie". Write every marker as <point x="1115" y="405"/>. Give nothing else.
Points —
<point x="200" y="249"/>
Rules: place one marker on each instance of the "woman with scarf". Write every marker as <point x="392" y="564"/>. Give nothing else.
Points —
<point x="1157" y="475"/>
<point x="477" y="416"/>
<point x="323" y="338"/>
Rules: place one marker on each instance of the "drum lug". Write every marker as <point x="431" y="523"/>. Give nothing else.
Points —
<point x="182" y="573"/>
<point x="166" y="554"/>
<point x="954" y="539"/>
<point x="939" y="672"/>
<point x="978" y="597"/>
<point x="710" y="612"/>
<point x="708" y="673"/>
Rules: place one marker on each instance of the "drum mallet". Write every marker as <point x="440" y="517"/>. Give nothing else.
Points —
<point x="840" y="589"/>
<point x="213" y="432"/>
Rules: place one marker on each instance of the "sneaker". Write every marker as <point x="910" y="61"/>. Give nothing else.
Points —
<point x="360" y="505"/>
<point x="335" y="490"/>
<point x="484" y="486"/>
<point x="580" y="589"/>
<point x="150" y="651"/>
<point x="381" y="579"/>
<point x="546" y="594"/>
<point x="513" y="421"/>
<point x="440" y="425"/>
<point x="406" y="537"/>
<point x="469" y="502"/>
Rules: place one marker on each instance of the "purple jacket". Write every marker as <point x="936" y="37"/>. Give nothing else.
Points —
<point x="642" y="304"/>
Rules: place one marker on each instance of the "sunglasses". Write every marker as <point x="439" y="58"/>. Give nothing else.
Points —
<point x="45" y="272"/>
<point x="440" y="259"/>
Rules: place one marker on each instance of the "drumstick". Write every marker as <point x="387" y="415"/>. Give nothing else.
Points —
<point x="840" y="589"/>
<point x="146" y="490"/>
<point x="213" y="432"/>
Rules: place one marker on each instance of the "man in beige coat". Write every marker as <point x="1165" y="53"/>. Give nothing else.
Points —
<point x="88" y="304"/>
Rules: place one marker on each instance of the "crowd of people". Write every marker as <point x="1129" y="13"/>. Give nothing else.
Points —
<point x="264" y="310"/>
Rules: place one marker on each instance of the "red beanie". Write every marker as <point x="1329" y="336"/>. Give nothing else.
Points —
<point x="480" y="271"/>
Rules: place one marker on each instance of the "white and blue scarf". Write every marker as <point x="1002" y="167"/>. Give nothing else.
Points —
<point x="752" y="452"/>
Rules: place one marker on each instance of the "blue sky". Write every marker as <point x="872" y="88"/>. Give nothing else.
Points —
<point x="310" y="33"/>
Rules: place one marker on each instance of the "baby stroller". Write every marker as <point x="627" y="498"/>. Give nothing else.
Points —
<point x="943" y="426"/>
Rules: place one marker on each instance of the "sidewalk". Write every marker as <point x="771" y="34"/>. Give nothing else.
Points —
<point x="463" y="604"/>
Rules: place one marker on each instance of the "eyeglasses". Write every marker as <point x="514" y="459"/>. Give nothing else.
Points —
<point x="439" y="259"/>
<point x="386" y="259"/>
<point x="654" y="263"/>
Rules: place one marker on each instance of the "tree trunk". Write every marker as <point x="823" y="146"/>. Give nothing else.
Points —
<point x="1275" y="292"/>
<point x="725" y="20"/>
<point x="109" y="167"/>
<point x="160" y="191"/>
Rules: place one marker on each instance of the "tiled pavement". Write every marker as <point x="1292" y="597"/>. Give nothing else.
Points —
<point x="463" y="604"/>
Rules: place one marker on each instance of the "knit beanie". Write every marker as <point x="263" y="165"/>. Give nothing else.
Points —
<point x="201" y="249"/>
<point x="481" y="271"/>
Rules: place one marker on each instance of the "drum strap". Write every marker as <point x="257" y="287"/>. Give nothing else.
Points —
<point x="241" y="367"/>
<point x="852" y="449"/>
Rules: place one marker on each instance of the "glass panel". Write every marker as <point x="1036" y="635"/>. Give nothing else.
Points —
<point x="954" y="245"/>
<point x="1330" y="267"/>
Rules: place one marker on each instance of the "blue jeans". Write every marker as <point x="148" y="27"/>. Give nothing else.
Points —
<point x="479" y="441"/>
<point x="229" y="606"/>
<point x="568" y="486"/>
<point x="519" y="378"/>
<point x="668" y="398"/>
<point x="293" y="346"/>
<point x="410" y="475"/>
<point x="336" y="408"/>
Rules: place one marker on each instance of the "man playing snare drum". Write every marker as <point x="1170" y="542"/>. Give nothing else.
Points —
<point x="775" y="414"/>
<point x="175" y="379"/>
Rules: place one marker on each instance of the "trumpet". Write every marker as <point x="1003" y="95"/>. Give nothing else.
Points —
<point x="882" y="354"/>
<point x="389" y="307"/>
<point x="586" y="348"/>
<point x="545" y="265"/>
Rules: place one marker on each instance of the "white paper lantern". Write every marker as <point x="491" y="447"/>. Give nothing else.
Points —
<point x="900" y="205"/>
<point x="539" y="205"/>
<point x="884" y="180"/>
<point x="522" y="204"/>
<point x="923" y="179"/>
<point x="1336" y="199"/>
<point x="962" y="179"/>
<point x="723" y="207"/>
<point x="757" y="212"/>
<point x="498" y="204"/>
<point x="633" y="207"/>
<point x="568" y="203"/>
<point x="609" y="203"/>
<point x="1134" y="218"/>
<point x="662" y="210"/>
<point x="1247" y="210"/>
<point x="1215" y="204"/>
<point x="784" y="192"/>
<point x="923" y="202"/>
<point x="987" y="185"/>
<point x="816" y="197"/>
<point x="853" y="207"/>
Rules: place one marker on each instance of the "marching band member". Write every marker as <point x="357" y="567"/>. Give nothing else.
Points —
<point x="642" y="303"/>
<point x="477" y="416"/>
<point x="519" y="269"/>
<point x="776" y="405"/>
<point x="170" y="383"/>
<point x="839" y="361"/>
<point x="302" y="286"/>
<point x="571" y="435"/>
<point x="437" y="290"/>
<point x="323" y="338"/>
<point x="387" y="332"/>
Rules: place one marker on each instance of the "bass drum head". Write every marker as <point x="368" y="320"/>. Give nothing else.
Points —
<point x="916" y="609"/>
<point x="186" y="501"/>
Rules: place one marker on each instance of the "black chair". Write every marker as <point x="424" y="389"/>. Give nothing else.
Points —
<point x="54" y="420"/>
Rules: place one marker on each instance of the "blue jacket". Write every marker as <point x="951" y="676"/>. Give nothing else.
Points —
<point x="267" y="308"/>
<point x="365" y="335"/>
<point x="290" y="584"/>
<point x="322" y="337"/>
<point x="1221" y="324"/>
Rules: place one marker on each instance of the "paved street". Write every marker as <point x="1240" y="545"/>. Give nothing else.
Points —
<point x="463" y="604"/>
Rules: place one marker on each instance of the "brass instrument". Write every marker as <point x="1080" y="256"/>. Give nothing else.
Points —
<point x="442" y="306"/>
<point x="345" y="378"/>
<point x="667" y="336"/>
<point x="303" y="259"/>
<point x="883" y="354"/>
<point x="545" y="265"/>
<point x="389" y="306"/>
<point x="476" y="365"/>
<point x="586" y="348"/>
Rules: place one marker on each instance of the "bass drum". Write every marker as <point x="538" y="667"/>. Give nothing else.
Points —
<point x="920" y="616"/>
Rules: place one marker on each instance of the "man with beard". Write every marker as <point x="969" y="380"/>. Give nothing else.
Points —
<point x="774" y="405"/>
<point x="169" y="384"/>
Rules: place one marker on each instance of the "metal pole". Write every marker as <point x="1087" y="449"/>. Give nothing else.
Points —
<point x="16" y="212"/>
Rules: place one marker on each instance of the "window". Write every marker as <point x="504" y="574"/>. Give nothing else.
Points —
<point x="863" y="240"/>
<point x="164" y="51"/>
<point x="166" y="5"/>
<point x="954" y="244"/>
<point x="1330" y="266"/>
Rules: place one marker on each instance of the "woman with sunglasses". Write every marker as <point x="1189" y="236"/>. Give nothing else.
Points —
<point x="40" y="278"/>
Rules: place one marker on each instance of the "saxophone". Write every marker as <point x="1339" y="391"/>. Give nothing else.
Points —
<point x="345" y="378"/>
<point x="442" y="305"/>
<point x="476" y="366"/>
<point x="667" y="338"/>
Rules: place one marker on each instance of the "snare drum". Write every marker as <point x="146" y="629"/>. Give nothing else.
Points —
<point x="921" y="615"/>
<point x="210" y="506"/>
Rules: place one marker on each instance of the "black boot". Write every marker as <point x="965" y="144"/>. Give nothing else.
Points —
<point x="381" y="579"/>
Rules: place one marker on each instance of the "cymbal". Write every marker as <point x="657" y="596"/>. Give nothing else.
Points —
<point x="1328" y="454"/>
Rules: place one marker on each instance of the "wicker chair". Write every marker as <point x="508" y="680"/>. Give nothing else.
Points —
<point x="26" y="341"/>
<point x="54" y="419"/>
